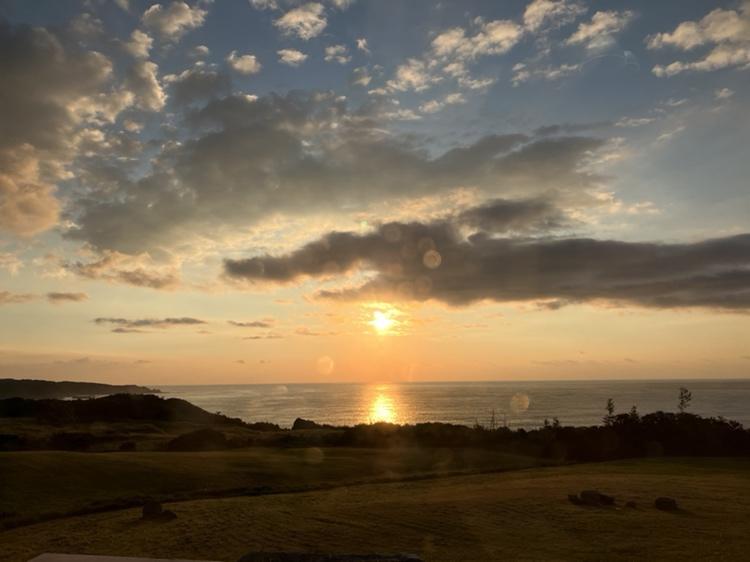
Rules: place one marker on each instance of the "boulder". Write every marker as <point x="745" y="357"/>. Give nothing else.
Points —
<point x="665" y="504"/>
<point x="591" y="497"/>
<point x="152" y="509"/>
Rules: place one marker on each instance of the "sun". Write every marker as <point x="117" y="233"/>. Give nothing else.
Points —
<point x="382" y="321"/>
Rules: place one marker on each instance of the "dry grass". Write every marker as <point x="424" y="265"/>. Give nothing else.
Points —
<point x="42" y="482"/>
<point x="514" y="515"/>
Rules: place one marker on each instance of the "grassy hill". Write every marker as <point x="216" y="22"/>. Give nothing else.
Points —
<point x="30" y="388"/>
<point x="37" y="484"/>
<point x="522" y="515"/>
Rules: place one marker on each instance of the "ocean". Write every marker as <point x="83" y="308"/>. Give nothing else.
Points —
<point x="512" y="403"/>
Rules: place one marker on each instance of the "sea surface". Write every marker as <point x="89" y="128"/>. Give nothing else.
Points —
<point x="515" y="404"/>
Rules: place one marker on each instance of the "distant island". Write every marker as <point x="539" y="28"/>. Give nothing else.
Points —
<point x="28" y="388"/>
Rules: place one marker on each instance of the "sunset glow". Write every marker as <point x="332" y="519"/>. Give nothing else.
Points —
<point x="283" y="191"/>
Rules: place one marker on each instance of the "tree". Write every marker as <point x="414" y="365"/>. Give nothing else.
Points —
<point x="610" y="417"/>
<point x="634" y="414"/>
<point x="684" y="401"/>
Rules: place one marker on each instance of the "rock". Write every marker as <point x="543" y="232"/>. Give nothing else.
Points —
<point x="604" y="499"/>
<point x="591" y="497"/>
<point x="631" y="504"/>
<point x="151" y="509"/>
<point x="665" y="504"/>
<point x="301" y="423"/>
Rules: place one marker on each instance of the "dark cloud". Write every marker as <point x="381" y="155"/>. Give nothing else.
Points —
<point x="521" y="216"/>
<point x="252" y="324"/>
<point x="198" y="84"/>
<point x="304" y="153"/>
<point x="434" y="261"/>
<point x="66" y="297"/>
<point x="126" y="325"/>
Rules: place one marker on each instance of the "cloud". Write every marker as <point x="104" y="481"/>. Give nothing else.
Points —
<point x="244" y="64"/>
<point x="57" y="298"/>
<point x="492" y="38"/>
<point x="253" y="158"/>
<point x="524" y="216"/>
<point x="337" y="53"/>
<point x="414" y="75"/>
<point x="265" y="323"/>
<point x="50" y="88"/>
<point x="125" y="325"/>
<point x="542" y="13"/>
<point x="199" y="51"/>
<point x="727" y="31"/>
<point x="600" y="32"/>
<point x="86" y="26"/>
<point x="362" y="45"/>
<point x="10" y="262"/>
<point x="452" y="52"/>
<point x="342" y="4"/>
<point x="424" y="261"/>
<point x="631" y="122"/>
<point x="138" y="270"/>
<point x="306" y="21"/>
<point x="139" y="45"/>
<point x="522" y="73"/>
<point x="291" y="57"/>
<point x="142" y="80"/>
<point x="173" y="22"/>
<point x="269" y="336"/>
<point x="305" y="331"/>
<point x="6" y="297"/>
<point x="264" y="4"/>
<point x="200" y="83"/>
<point x="433" y="106"/>
<point x="361" y="77"/>
<point x="723" y="94"/>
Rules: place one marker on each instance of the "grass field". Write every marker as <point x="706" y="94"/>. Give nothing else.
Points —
<point x="38" y="483"/>
<point x="513" y="515"/>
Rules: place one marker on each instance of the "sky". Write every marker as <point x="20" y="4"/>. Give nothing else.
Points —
<point x="276" y="191"/>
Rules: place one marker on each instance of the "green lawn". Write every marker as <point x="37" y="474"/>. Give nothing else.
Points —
<point x="42" y="482"/>
<point x="513" y="515"/>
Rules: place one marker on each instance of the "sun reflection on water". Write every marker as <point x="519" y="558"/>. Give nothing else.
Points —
<point x="382" y="409"/>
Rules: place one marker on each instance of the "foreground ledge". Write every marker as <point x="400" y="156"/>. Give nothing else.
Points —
<point x="51" y="557"/>
<point x="249" y="557"/>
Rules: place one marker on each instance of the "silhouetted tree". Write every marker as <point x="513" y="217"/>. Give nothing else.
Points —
<point x="684" y="401"/>
<point x="610" y="417"/>
<point x="634" y="414"/>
